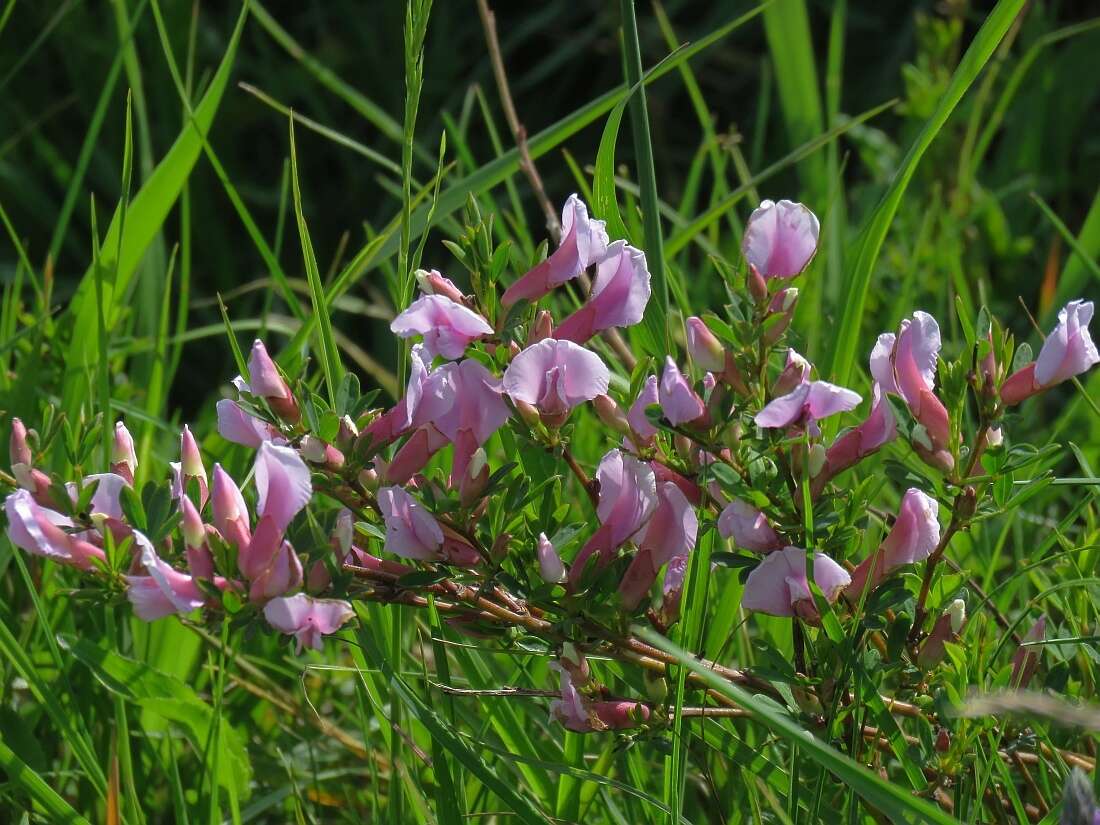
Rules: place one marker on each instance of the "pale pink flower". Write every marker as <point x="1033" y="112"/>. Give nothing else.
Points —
<point x="748" y="527"/>
<point x="40" y="531"/>
<point x="808" y="403"/>
<point x="679" y="402"/>
<point x="163" y="590"/>
<point x="780" y="238"/>
<point x="447" y="326"/>
<point x="877" y="430"/>
<point x="478" y="411"/>
<point x="550" y="563"/>
<point x="429" y="394"/>
<point x="556" y="376"/>
<point x="583" y="243"/>
<point x="669" y="533"/>
<point x="778" y="585"/>
<point x="283" y="488"/>
<point x="411" y="531"/>
<point x="619" y="295"/>
<point x="703" y="346"/>
<point x="1068" y="351"/>
<point x="235" y="425"/>
<point x="306" y="618"/>
<point x="636" y="416"/>
<point x="915" y="534"/>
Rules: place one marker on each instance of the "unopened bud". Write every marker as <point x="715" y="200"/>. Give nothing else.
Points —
<point x="194" y="531"/>
<point x="610" y="414"/>
<point x="432" y="283"/>
<point x="815" y="460"/>
<point x="265" y="380"/>
<point x="476" y="478"/>
<point x="550" y="563"/>
<point x="795" y="372"/>
<point x="346" y="434"/>
<point x="20" y="450"/>
<point x="703" y="346"/>
<point x="656" y="687"/>
<point x="994" y="437"/>
<point x="528" y="412"/>
<point x="344" y="532"/>
<point x="943" y="740"/>
<point x="500" y="547"/>
<point x="575" y="662"/>
<point x="782" y="304"/>
<point x="123" y="457"/>
<point x="190" y="457"/>
<point x="542" y="328"/>
<point x="368" y="479"/>
<point x="957" y="613"/>
<point x="966" y="502"/>
<point x="758" y="287"/>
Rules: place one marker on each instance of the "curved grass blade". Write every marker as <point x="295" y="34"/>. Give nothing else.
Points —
<point x="21" y="775"/>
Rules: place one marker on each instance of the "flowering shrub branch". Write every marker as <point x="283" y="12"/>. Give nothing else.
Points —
<point x="413" y="505"/>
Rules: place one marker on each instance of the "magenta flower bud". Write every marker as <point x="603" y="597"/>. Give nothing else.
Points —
<point x="780" y="239"/>
<point x="610" y="414"/>
<point x="316" y="451"/>
<point x="756" y="285"/>
<point x="550" y="564"/>
<point x="704" y="347"/>
<point x="778" y="585"/>
<point x="946" y="629"/>
<point x="748" y="527"/>
<point x="807" y="404"/>
<point x="583" y="243"/>
<point x="194" y="531"/>
<point x="542" y="328"/>
<point x="265" y="380"/>
<point x="189" y="467"/>
<point x="1026" y="659"/>
<point x="670" y="532"/>
<point x="618" y="299"/>
<point x="432" y="283"/>
<point x="915" y="534"/>
<point x="230" y="511"/>
<point x="411" y="531"/>
<point x="448" y="327"/>
<point x="556" y="376"/>
<point x="636" y="417"/>
<point x="19" y="449"/>
<point x="782" y="305"/>
<point x="123" y="457"/>
<point x="1067" y="352"/>
<point x="679" y="402"/>
<point x="795" y="373"/>
<point x="307" y="619"/>
<point x="628" y="497"/>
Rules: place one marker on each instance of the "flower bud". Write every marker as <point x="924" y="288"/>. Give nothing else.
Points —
<point x="528" y="412"/>
<point x="194" y="531"/>
<point x="368" y="479"/>
<point x="656" y="687"/>
<point x="475" y="479"/>
<point x="499" y="549"/>
<point x="542" y="328"/>
<point x="123" y="458"/>
<point x="316" y="451"/>
<point x="346" y="434"/>
<point x="1026" y="659"/>
<point x="343" y="533"/>
<point x="704" y="347"/>
<point x="265" y="380"/>
<point x="574" y="662"/>
<point x="815" y="460"/>
<point x="610" y="414"/>
<point x="956" y="611"/>
<point x="782" y="304"/>
<point x="943" y="740"/>
<point x="758" y="287"/>
<point x="550" y="563"/>
<point x="20" y="450"/>
<point x="795" y="372"/>
<point x="433" y="283"/>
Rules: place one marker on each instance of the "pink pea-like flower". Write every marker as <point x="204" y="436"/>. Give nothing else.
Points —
<point x="915" y="534"/>
<point x="748" y="527"/>
<point x="679" y="402"/>
<point x="619" y="295"/>
<point x="1067" y="352"/>
<point x="807" y="403"/>
<point x="306" y="618"/>
<point x="636" y="416"/>
<point x="477" y="411"/>
<point x="163" y="590"/>
<point x="429" y="395"/>
<point x="669" y="533"/>
<point x="411" y="531"/>
<point x="878" y="429"/>
<point x="447" y="326"/>
<point x="780" y="238"/>
<point x="230" y="511"/>
<point x="556" y="376"/>
<point x="235" y="425"/>
<point x="778" y="585"/>
<point x="583" y="243"/>
<point x="39" y="531"/>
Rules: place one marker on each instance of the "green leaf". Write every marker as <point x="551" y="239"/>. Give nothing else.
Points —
<point x="20" y="774"/>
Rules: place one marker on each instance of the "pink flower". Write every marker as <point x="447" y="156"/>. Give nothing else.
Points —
<point x="415" y="454"/>
<point x="235" y="425"/>
<point x="556" y="376"/>
<point x="906" y="365"/>
<point x="39" y="531"/>
<point x="748" y="527"/>
<point x="796" y="372"/>
<point x="672" y="590"/>
<point x="163" y="590"/>
<point x="780" y="239"/>
<point x="550" y="564"/>
<point x="1025" y="661"/>
<point x="19" y="449"/>
<point x="703" y="346"/>
<point x="199" y="560"/>
<point x="428" y="396"/>
<point x="669" y="533"/>
<point x="628" y="497"/>
<point x="806" y="404"/>
<point x="574" y="712"/>
<point x="619" y="295"/>
<point x="265" y="381"/>
<point x="123" y="457"/>
<point x="679" y="402"/>
<point x="877" y="430"/>
<point x="22" y="464"/>
<point x="306" y="618"/>
<point x="447" y="326"/>
<point x="583" y="243"/>
<point x="411" y="531"/>
<point x="478" y="411"/>
<point x="1067" y="351"/>
<point x="636" y="416"/>
<point x="915" y="534"/>
<point x="283" y="488"/>
<point x="778" y="585"/>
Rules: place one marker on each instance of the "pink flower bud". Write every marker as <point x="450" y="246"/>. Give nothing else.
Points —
<point x="550" y="563"/>
<point x="636" y="417"/>
<point x="610" y="414"/>
<point x="704" y="347"/>
<point x="19" y="448"/>
<point x="475" y="480"/>
<point x="432" y="283"/>
<point x="795" y="373"/>
<point x="265" y="380"/>
<point x="542" y="328"/>
<point x="915" y="534"/>
<point x="1026" y="659"/>
<point x="123" y="457"/>
<point x="945" y="630"/>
